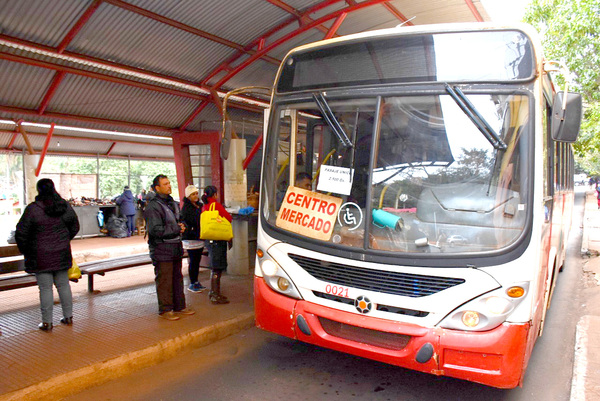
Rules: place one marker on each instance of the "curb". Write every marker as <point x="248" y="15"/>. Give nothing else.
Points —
<point x="78" y="380"/>
<point x="580" y="363"/>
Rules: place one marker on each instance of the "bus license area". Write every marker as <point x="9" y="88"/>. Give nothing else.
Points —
<point x="337" y="290"/>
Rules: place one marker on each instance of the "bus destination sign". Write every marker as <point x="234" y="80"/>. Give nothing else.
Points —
<point x="308" y="213"/>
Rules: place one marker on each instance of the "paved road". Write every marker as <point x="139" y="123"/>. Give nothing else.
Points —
<point x="255" y="365"/>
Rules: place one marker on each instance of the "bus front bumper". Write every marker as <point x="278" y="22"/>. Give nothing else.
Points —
<point x="494" y="358"/>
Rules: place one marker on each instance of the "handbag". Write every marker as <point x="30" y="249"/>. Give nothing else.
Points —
<point x="74" y="272"/>
<point x="213" y="226"/>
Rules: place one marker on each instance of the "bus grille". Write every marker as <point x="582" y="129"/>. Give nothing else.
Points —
<point x="376" y="338"/>
<point x="383" y="308"/>
<point x="395" y="283"/>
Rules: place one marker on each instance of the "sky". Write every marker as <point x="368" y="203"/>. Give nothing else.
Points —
<point x="505" y="10"/>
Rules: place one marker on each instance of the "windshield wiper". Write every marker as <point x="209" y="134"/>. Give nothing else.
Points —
<point x="469" y="109"/>
<point x="331" y="120"/>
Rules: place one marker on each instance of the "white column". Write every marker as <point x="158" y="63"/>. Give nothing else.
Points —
<point x="236" y="188"/>
<point x="235" y="179"/>
<point x="30" y="163"/>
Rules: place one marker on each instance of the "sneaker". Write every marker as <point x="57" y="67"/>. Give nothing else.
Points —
<point x="196" y="287"/>
<point x="186" y="311"/>
<point x="170" y="315"/>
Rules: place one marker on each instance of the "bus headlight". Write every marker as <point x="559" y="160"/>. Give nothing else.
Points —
<point x="486" y="312"/>
<point x="283" y="284"/>
<point x="277" y="279"/>
<point x="470" y="318"/>
<point x="269" y="268"/>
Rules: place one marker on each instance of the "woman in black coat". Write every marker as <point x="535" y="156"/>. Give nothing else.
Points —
<point x="44" y="235"/>
<point x="190" y="216"/>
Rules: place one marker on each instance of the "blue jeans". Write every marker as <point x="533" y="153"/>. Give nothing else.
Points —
<point x="130" y="224"/>
<point x="61" y="280"/>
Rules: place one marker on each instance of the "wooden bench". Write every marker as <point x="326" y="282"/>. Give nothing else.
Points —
<point x="12" y="264"/>
<point x="100" y="267"/>
<point x="12" y="275"/>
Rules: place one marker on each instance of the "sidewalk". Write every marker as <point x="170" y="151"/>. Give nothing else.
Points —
<point x="586" y="369"/>
<point x="115" y="332"/>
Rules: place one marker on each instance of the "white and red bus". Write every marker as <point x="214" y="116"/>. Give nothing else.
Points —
<point x="417" y="189"/>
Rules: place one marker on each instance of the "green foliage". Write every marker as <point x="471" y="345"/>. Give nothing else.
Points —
<point x="571" y="33"/>
<point x="113" y="173"/>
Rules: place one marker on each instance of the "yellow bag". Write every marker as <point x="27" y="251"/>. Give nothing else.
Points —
<point x="213" y="226"/>
<point x="74" y="272"/>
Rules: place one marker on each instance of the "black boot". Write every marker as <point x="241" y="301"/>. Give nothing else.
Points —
<point x="215" y="290"/>
<point x="45" y="326"/>
<point x="67" y="320"/>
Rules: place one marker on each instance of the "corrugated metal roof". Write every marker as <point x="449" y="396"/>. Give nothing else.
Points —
<point x="237" y="21"/>
<point x="127" y="37"/>
<point x="91" y="97"/>
<point x="23" y="85"/>
<point x="46" y="22"/>
<point x="124" y="37"/>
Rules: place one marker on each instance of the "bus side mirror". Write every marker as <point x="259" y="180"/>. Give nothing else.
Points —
<point x="226" y="138"/>
<point x="566" y="121"/>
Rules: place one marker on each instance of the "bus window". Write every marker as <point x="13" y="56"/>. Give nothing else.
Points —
<point x="441" y="182"/>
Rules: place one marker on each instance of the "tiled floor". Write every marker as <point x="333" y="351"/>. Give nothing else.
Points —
<point x="121" y="318"/>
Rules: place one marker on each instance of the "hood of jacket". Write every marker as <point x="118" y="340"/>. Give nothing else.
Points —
<point x="127" y="194"/>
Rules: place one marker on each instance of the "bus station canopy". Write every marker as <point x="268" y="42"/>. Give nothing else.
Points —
<point x="101" y="77"/>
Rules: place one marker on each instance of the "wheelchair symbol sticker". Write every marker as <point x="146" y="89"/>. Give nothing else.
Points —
<point x="350" y="215"/>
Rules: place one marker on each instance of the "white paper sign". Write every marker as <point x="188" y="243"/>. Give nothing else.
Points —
<point x="335" y="179"/>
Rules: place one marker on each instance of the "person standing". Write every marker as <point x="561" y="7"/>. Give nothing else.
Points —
<point x="127" y="208"/>
<point x="44" y="235"/>
<point x="166" y="250"/>
<point x="190" y="215"/>
<point x="217" y="250"/>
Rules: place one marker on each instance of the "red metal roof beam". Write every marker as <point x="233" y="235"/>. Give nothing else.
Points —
<point x="70" y="117"/>
<point x="397" y="14"/>
<point x="78" y="25"/>
<point x="183" y="27"/>
<point x="25" y="138"/>
<point x="108" y="65"/>
<point x="96" y="75"/>
<point x="51" y="90"/>
<point x="474" y="10"/>
<point x="111" y="148"/>
<point x="74" y="154"/>
<point x="335" y="26"/>
<point x="189" y="120"/>
<point x="302" y="29"/>
<point x="226" y="65"/>
<point x="302" y="18"/>
<point x="12" y="140"/>
<point x="252" y="152"/>
<point x="44" y="150"/>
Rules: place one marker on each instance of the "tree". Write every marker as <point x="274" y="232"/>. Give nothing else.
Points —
<point x="570" y="32"/>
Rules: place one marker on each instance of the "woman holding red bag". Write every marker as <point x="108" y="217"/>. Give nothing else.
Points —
<point x="217" y="250"/>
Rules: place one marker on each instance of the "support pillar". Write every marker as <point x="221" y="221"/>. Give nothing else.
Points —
<point x="236" y="188"/>
<point x="30" y="164"/>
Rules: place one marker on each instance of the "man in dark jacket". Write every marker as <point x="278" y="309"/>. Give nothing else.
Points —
<point x="166" y="251"/>
<point x="127" y="208"/>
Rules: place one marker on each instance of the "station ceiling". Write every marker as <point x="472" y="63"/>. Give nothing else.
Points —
<point x="117" y="78"/>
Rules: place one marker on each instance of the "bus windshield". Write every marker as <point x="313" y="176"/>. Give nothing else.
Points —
<point x="409" y="174"/>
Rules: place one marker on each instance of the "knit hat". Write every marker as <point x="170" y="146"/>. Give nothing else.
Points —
<point x="190" y="189"/>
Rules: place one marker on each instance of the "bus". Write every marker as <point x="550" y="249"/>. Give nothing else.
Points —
<point x="416" y="198"/>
